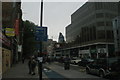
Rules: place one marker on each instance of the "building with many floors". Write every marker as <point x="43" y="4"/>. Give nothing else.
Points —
<point x="91" y="30"/>
<point x="61" y="38"/>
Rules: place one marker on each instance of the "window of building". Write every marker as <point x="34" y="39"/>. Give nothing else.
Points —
<point x="109" y="34"/>
<point x="99" y="15"/>
<point x="98" y="5"/>
<point x="108" y="15"/>
<point x="117" y="32"/>
<point x="101" y="34"/>
<point x="100" y="24"/>
<point x="94" y="32"/>
<point x="108" y="23"/>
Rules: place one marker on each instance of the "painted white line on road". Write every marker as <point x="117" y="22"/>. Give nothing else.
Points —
<point x="82" y="70"/>
<point x="73" y="65"/>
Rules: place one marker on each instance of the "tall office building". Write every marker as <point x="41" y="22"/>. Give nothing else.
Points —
<point x="91" y="27"/>
<point x="61" y="38"/>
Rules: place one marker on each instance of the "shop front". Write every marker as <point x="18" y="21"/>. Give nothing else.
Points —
<point x="6" y="60"/>
<point x="6" y="53"/>
<point x="93" y="53"/>
<point x="84" y="53"/>
<point x="102" y="52"/>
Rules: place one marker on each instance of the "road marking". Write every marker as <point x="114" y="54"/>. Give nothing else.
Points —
<point x="82" y="70"/>
<point x="73" y="65"/>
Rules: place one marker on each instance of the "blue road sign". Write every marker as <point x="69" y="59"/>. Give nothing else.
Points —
<point x="41" y="34"/>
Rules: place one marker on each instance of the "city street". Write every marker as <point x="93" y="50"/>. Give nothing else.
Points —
<point x="69" y="34"/>
<point x="73" y="73"/>
<point x="50" y="72"/>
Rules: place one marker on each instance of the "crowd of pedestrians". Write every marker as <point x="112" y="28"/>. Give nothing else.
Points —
<point x="32" y="63"/>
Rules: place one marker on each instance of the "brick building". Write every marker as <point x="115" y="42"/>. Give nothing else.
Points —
<point x="12" y="28"/>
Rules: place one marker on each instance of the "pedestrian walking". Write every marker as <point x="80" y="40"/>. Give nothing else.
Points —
<point x="29" y="65"/>
<point x="67" y="63"/>
<point x="23" y="59"/>
<point x="33" y="66"/>
<point x="48" y="60"/>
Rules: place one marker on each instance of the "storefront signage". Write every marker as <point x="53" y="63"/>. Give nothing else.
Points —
<point x="102" y="50"/>
<point x="93" y="51"/>
<point x="10" y="32"/>
<point x="84" y="51"/>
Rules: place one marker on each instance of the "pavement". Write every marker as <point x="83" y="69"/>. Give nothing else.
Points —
<point x="51" y="71"/>
<point x="20" y="71"/>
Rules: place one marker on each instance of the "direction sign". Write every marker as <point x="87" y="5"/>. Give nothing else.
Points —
<point x="41" y="34"/>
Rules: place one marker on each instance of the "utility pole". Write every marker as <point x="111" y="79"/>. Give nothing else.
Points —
<point x="40" y="55"/>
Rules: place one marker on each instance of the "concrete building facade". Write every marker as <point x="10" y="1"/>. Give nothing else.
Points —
<point x="91" y="29"/>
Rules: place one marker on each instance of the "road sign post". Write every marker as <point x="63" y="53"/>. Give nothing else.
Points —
<point x="38" y="39"/>
<point x="40" y="35"/>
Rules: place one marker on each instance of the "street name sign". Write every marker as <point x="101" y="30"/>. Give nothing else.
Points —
<point x="41" y="33"/>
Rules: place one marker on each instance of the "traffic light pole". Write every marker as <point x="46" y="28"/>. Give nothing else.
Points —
<point x="40" y="55"/>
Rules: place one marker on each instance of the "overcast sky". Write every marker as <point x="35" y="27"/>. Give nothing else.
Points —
<point x="56" y="15"/>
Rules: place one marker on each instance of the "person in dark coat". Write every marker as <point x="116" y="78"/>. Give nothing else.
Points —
<point x="33" y="66"/>
<point x="48" y="60"/>
<point x="67" y="63"/>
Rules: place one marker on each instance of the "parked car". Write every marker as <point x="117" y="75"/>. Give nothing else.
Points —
<point x="115" y="74"/>
<point x="102" y="67"/>
<point x="75" y="60"/>
<point x="84" y="62"/>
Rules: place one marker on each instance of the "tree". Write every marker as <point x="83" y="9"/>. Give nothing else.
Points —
<point x="28" y="38"/>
